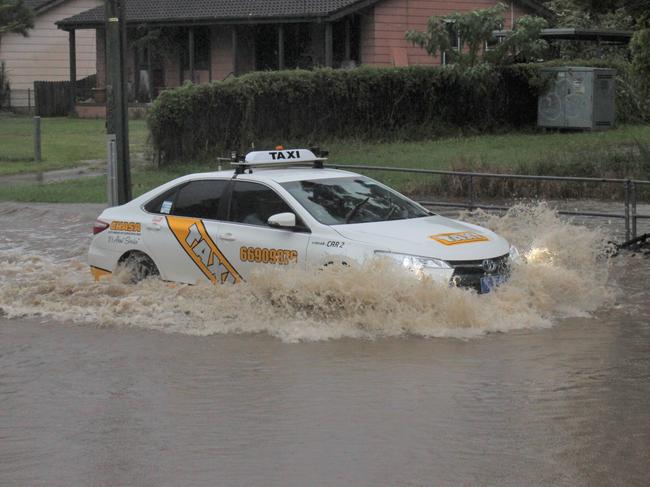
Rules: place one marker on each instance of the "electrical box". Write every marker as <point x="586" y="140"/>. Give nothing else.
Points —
<point x="579" y="97"/>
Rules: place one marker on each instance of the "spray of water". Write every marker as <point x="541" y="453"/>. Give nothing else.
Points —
<point x="563" y="274"/>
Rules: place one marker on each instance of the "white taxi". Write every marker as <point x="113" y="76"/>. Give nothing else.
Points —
<point x="280" y="208"/>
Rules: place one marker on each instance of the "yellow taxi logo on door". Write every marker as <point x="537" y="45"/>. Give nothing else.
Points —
<point x="193" y="237"/>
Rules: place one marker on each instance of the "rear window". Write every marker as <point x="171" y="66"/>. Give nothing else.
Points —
<point x="197" y="199"/>
<point x="162" y="203"/>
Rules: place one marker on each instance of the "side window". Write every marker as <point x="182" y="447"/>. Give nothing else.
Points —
<point x="162" y="203"/>
<point x="254" y="203"/>
<point x="199" y="199"/>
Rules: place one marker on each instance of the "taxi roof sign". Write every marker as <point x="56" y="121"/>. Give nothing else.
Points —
<point x="284" y="156"/>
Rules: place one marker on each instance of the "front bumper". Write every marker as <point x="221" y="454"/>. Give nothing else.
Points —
<point x="468" y="273"/>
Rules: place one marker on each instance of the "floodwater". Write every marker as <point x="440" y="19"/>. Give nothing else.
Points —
<point x="351" y="378"/>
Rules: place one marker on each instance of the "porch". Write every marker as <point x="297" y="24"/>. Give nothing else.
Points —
<point x="162" y="57"/>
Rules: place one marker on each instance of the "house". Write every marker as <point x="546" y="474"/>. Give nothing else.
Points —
<point x="202" y="40"/>
<point x="44" y="54"/>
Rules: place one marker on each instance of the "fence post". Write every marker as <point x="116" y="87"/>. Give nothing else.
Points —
<point x="633" y="191"/>
<point x="29" y="100"/>
<point x="37" y="139"/>
<point x="471" y="192"/>
<point x="111" y="178"/>
<point x="627" y="185"/>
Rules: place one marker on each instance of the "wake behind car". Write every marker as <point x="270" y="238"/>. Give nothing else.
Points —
<point x="283" y="207"/>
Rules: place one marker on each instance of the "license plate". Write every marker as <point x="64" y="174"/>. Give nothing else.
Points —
<point x="488" y="283"/>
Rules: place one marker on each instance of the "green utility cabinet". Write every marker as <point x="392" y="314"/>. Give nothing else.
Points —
<point x="579" y="98"/>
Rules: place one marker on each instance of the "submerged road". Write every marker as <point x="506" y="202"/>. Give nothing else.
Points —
<point x="84" y="404"/>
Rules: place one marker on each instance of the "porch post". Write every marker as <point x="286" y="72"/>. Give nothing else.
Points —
<point x="150" y="71"/>
<point x="328" y="45"/>
<point x="73" y="71"/>
<point x="280" y="46"/>
<point x="347" y="39"/>
<point x="191" y="49"/>
<point x="234" y="50"/>
<point x="136" y="72"/>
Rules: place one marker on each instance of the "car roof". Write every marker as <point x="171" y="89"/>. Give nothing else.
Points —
<point x="279" y="175"/>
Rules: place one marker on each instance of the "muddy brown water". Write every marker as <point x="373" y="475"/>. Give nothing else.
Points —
<point x="341" y="379"/>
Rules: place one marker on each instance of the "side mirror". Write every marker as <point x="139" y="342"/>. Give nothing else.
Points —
<point x="283" y="220"/>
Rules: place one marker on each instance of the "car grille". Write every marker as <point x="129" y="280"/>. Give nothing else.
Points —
<point x="468" y="273"/>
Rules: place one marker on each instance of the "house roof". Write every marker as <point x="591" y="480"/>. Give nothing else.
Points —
<point x="235" y="11"/>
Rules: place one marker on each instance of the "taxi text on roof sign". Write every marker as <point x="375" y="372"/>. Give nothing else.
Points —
<point x="276" y="156"/>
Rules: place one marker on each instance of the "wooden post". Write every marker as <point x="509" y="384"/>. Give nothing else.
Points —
<point x="280" y="46"/>
<point x="73" y="71"/>
<point x="191" y="49"/>
<point x="136" y="72"/>
<point x="150" y="72"/>
<point x="116" y="99"/>
<point x="234" y="50"/>
<point x="347" y="39"/>
<point x="328" y="45"/>
<point x="37" y="139"/>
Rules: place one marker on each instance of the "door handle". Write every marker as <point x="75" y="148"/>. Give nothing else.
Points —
<point x="153" y="227"/>
<point x="229" y="237"/>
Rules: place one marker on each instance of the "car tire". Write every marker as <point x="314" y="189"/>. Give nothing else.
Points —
<point x="138" y="266"/>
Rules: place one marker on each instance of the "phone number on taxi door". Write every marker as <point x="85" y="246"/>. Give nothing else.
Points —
<point x="268" y="256"/>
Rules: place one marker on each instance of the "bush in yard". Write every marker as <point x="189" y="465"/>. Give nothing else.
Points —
<point x="198" y="121"/>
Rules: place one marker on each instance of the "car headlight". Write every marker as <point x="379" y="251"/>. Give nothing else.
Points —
<point x="415" y="263"/>
<point x="514" y="254"/>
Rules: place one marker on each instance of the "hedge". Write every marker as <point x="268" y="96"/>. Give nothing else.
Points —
<point x="195" y="121"/>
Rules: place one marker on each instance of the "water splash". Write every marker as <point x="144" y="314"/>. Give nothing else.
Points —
<point x="565" y="275"/>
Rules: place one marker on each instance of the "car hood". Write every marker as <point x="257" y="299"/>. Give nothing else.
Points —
<point x="414" y="236"/>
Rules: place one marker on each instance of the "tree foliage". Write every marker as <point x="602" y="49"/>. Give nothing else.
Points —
<point x="474" y="31"/>
<point x="15" y="17"/>
<point x="609" y="14"/>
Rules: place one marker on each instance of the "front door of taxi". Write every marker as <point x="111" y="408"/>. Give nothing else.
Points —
<point x="246" y="239"/>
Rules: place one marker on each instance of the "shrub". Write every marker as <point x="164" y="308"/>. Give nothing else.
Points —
<point x="195" y="121"/>
<point x="298" y="107"/>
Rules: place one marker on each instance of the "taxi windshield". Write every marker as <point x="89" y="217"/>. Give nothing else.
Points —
<point x="354" y="199"/>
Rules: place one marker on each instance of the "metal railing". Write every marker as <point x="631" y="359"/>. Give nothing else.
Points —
<point x="630" y="215"/>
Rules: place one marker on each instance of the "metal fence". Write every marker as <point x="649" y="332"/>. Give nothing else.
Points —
<point x="630" y="215"/>
<point x="20" y="100"/>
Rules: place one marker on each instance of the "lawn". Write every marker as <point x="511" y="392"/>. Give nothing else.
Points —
<point x="68" y="141"/>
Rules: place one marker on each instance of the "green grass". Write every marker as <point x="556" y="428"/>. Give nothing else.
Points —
<point x="508" y="150"/>
<point x="90" y="189"/>
<point x="66" y="142"/>
<point x="84" y="139"/>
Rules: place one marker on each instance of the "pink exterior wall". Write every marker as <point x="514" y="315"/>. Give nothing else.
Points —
<point x="383" y="28"/>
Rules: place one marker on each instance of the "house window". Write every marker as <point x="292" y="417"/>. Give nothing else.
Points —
<point x="454" y="38"/>
<point x="201" y="49"/>
<point x="495" y="40"/>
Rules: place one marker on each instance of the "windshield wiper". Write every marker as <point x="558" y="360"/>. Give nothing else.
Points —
<point x="354" y="210"/>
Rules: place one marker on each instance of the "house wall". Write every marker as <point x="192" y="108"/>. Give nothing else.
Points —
<point x="43" y="56"/>
<point x="384" y="26"/>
